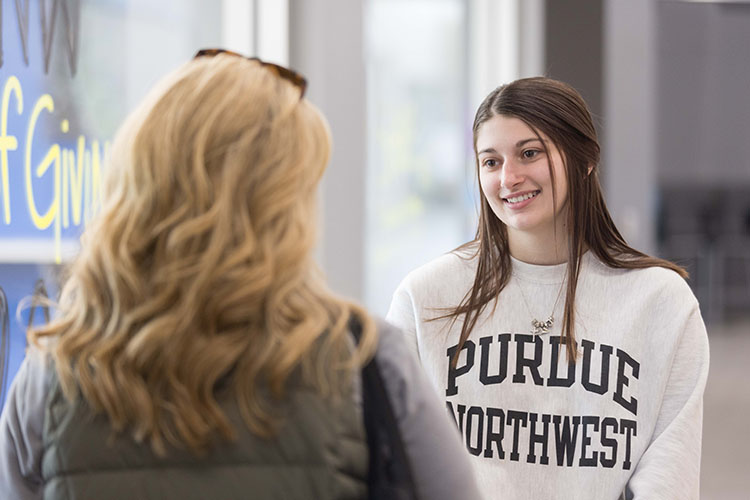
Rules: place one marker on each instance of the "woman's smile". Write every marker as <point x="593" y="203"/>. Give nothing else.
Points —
<point x="518" y="201"/>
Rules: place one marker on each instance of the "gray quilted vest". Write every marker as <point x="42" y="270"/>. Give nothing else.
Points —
<point x="319" y="453"/>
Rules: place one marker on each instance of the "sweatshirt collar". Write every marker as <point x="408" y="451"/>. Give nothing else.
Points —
<point x="553" y="274"/>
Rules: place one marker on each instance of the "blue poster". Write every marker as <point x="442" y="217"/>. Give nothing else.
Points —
<point x="70" y="70"/>
<point x="51" y="161"/>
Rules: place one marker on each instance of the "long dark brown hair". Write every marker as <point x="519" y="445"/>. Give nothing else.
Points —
<point x="558" y="111"/>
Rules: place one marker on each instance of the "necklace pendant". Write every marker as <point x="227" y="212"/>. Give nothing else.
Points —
<point x="542" y="327"/>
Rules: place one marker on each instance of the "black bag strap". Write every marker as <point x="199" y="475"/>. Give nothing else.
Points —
<point x="390" y="474"/>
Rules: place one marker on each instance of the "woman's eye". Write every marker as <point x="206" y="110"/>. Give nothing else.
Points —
<point x="530" y="153"/>
<point x="489" y="163"/>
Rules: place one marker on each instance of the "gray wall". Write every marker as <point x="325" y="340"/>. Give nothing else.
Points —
<point x="703" y="119"/>
<point x="573" y="47"/>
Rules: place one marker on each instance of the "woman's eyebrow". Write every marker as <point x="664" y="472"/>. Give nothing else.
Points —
<point x="532" y="139"/>
<point x="518" y="145"/>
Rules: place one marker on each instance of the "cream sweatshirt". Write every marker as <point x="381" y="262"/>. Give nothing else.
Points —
<point x="624" y="419"/>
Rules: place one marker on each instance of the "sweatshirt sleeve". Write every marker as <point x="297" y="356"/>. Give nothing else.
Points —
<point x="670" y="466"/>
<point x="439" y="461"/>
<point x="21" y="426"/>
<point x="402" y="314"/>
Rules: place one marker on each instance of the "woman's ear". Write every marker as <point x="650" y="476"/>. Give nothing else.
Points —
<point x="590" y="169"/>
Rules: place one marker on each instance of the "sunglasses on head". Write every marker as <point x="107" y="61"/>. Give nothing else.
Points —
<point x="287" y="74"/>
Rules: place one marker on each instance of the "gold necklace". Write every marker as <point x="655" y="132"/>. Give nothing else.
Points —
<point x="541" y="327"/>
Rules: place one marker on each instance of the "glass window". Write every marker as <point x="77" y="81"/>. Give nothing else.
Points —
<point x="419" y="196"/>
<point x="69" y="74"/>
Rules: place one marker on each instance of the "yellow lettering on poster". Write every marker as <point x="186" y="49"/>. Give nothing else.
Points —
<point x="43" y="221"/>
<point x="75" y="171"/>
<point x="8" y="142"/>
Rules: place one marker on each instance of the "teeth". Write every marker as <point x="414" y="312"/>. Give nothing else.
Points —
<point x="517" y="199"/>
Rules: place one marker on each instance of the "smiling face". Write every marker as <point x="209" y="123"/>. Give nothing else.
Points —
<point x="515" y="178"/>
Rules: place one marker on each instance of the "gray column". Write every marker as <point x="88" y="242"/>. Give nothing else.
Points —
<point x="629" y="159"/>
<point x="573" y="47"/>
<point x="326" y="45"/>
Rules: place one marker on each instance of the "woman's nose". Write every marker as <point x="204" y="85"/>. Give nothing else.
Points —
<point x="510" y="175"/>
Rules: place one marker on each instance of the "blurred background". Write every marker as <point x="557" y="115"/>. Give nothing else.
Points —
<point x="399" y="80"/>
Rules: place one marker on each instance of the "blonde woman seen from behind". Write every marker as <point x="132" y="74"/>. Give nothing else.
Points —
<point x="197" y="352"/>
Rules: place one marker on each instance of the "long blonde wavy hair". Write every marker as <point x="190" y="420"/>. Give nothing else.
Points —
<point x="199" y="269"/>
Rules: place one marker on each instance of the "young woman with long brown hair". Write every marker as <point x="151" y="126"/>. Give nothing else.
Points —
<point x="573" y="364"/>
<point x="197" y="352"/>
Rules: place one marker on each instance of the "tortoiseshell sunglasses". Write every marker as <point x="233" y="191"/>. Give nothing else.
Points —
<point x="287" y="74"/>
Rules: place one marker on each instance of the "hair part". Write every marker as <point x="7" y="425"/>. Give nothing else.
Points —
<point x="199" y="270"/>
<point x="558" y="111"/>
